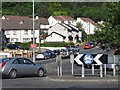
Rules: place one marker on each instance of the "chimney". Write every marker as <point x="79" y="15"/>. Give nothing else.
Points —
<point x="37" y="17"/>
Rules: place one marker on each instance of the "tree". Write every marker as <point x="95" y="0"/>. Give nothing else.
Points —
<point x="41" y="9"/>
<point x="79" y="25"/>
<point x="110" y="32"/>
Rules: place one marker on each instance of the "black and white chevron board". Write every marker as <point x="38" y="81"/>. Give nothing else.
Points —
<point x="91" y="59"/>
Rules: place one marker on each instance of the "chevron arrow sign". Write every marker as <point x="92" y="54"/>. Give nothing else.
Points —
<point x="91" y="59"/>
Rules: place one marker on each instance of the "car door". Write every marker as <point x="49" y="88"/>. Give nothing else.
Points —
<point x="18" y="65"/>
<point x="29" y="67"/>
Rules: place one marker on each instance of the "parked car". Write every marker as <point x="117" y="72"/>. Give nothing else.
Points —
<point x="92" y="44"/>
<point x="73" y="48"/>
<point x="42" y="55"/>
<point x="51" y="53"/>
<point x="56" y="51"/>
<point x="63" y="52"/>
<point x="87" y="46"/>
<point x="13" y="46"/>
<point x="14" y="67"/>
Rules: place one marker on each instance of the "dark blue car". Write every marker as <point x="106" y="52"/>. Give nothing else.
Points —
<point x="13" y="46"/>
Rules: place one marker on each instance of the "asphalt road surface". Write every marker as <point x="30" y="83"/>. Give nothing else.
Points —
<point x="67" y="80"/>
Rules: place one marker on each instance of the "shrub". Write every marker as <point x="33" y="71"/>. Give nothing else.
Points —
<point x="56" y="44"/>
<point x="25" y="45"/>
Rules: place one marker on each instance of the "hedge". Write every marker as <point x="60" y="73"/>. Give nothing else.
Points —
<point x="56" y="44"/>
<point x="25" y="45"/>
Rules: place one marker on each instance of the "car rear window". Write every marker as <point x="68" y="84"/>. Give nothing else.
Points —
<point x="5" y="59"/>
<point x="87" y="45"/>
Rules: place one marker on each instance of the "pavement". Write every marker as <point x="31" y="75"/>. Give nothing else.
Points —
<point x="87" y="78"/>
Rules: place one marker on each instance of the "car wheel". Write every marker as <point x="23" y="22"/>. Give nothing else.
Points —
<point x="13" y="74"/>
<point x="40" y="73"/>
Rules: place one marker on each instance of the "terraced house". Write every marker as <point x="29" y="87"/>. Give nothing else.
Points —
<point x="20" y="28"/>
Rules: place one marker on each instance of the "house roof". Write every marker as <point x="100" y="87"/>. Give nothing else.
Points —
<point x="9" y="17"/>
<point x="21" y="22"/>
<point x="43" y="21"/>
<point x="70" y="27"/>
<point x="89" y="20"/>
<point x="63" y="18"/>
<point x="58" y="34"/>
<point x="21" y="25"/>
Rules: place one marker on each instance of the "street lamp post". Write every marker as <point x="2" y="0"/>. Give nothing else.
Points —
<point x="40" y="38"/>
<point x="33" y="34"/>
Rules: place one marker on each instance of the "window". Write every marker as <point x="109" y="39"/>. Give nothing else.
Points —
<point x="26" y="39"/>
<point x="14" y="39"/>
<point x="15" y="62"/>
<point x="26" y="61"/>
<point x="18" y="61"/>
<point x="8" y="32"/>
<point x="14" y="32"/>
<point x="26" y="32"/>
<point x="32" y="32"/>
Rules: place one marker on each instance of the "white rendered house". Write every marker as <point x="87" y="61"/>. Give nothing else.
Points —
<point x="20" y="28"/>
<point x="88" y="25"/>
<point x="61" y="32"/>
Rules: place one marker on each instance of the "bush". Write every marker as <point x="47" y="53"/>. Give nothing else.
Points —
<point x="25" y="45"/>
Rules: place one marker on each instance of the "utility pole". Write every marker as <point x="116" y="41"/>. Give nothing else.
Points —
<point x="40" y="38"/>
<point x="33" y="33"/>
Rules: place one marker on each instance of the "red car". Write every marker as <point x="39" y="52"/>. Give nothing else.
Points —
<point x="87" y="46"/>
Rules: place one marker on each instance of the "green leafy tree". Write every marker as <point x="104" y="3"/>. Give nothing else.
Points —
<point x="110" y="30"/>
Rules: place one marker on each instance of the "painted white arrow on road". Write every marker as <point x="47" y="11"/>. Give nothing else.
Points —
<point x="77" y="59"/>
<point x="96" y="59"/>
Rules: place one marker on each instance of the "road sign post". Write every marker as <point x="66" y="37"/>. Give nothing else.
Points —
<point x="93" y="69"/>
<point x="92" y="59"/>
<point x="83" y="71"/>
<point x="59" y="64"/>
<point x="72" y="62"/>
<point x="114" y="66"/>
<point x="114" y="71"/>
<point x="105" y="69"/>
<point x="101" y="71"/>
<point x="33" y="46"/>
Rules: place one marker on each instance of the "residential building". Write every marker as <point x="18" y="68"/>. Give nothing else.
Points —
<point x="88" y="25"/>
<point x="20" y="28"/>
<point x="44" y="24"/>
<point x="61" y="19"/>
<point x="62" y="32"/>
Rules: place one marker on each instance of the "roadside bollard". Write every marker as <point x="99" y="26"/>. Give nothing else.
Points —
<point x="59" y="64"/>
<point x="105" y="69"/>
<point x="83" y="72"/>
<point x="101" y="71"/>
<point x="93" y="69"/>
<point x="114" y="71"/>
<point x="72" y="62"/>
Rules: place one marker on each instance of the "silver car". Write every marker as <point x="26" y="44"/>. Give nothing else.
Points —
<point x="14" y="67"/>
